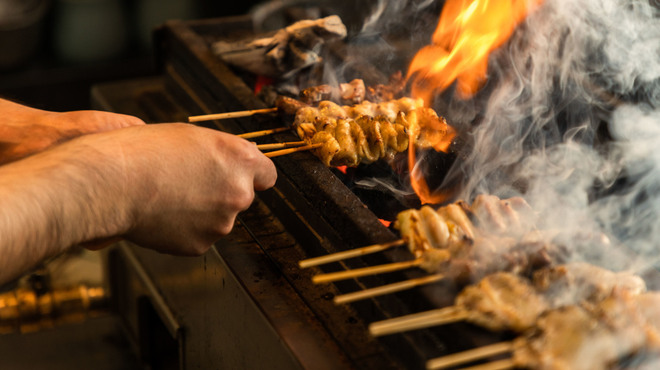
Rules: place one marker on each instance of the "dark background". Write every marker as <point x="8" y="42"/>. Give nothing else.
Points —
<point x="58" y="74"/>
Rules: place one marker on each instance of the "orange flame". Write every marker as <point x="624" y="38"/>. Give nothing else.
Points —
<point x="418" y="181"/>
<point x="428" y="131"/>
<point x="467" y="32"/>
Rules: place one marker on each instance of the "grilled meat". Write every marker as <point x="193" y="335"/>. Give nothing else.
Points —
<point x="580" y="281"/>
<point x="367" y="132"/>
<point x="502" y="301"/>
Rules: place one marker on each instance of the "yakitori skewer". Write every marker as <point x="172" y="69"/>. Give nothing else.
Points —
<point x="290" y="144"/>
<point x="421" y="320"/>
<point x="250" y="135"/>
<point x="227" y="115"/>
<point x="504" y="364"/>
<point x="587" y="336"/>
<point x="474" y="355"/>
<point x="504" y="301"/>
<point x="366" y="271"/>
<point x="282" y="152"/>
<point x="442" y="240"/>
<point x="388" y="289"/>
<point x="339" y="256"/>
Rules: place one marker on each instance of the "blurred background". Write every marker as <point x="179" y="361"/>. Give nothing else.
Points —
<point x="53" y="51"/>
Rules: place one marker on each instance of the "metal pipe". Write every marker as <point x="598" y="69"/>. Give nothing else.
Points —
<point x="25" y="310"/>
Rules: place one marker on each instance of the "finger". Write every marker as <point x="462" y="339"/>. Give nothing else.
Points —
<point x="116" y="120"/>
<point x="265" y="174"/>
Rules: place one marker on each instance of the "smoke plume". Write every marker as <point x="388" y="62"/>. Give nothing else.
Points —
<point x="569" y="119"/>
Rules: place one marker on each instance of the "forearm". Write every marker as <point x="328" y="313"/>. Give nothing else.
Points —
<point x="25" y="131"/>
<point x="53" y="200"/>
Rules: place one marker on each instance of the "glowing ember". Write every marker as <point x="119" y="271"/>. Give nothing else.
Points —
<point x="467" y="32"/>
<point x="261" y="82"/>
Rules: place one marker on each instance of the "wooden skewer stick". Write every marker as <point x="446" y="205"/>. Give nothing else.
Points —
<point x="471" y="355"/>
<point x="371" y="270"/>
<point x="334" y="257"/>
<point x="278" y="153"/>
<point x="226" y="115"/>
<point x="290" y="144"/>
<point x="421" y="320"/>
<point x="250" y="135"/>
<point x="503" y="364"/>
<point x="387" y="289"/>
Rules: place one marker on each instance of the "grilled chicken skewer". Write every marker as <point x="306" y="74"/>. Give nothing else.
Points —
<point x="353" y="92"/>
<point x="445" y="241"/>
<point x="591" y="336"/>
<point x="505" y="301"/>
<point x="367" y="132"/>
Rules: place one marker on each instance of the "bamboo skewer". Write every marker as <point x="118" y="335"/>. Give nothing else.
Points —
<point x="474" y="355"/>
<point x="421" y="320"/>
<point x="290" y="144"/>
<point x="334" y="257"/>
<point x="503" y="364"/>
<point x="226" y="115"/>
<point x="278" y="153"/>
<point x="249" y="135"/>
<point x="371" y="270"/>
<point x="387" y="289"/>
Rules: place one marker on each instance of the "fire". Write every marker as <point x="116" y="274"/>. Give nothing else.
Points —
<point x="468" y="31"/>
<point x="418" y="181"/>
<point x="466" y="34"/>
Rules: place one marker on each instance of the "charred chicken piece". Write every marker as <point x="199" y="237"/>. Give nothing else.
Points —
<point x="508" y="301"/>
<point x="445" y="228"/>
<point x="367" y="132"/>
<point x="570" y="338"/>
<point x="475" y="251"/>
<point x="392" y="90"/>
<point x="576" y="282"/>
<point x="512" y="216"/>
<point x="593" y="336"/>
<point x="502" y="301"/>
<point x="347" y="93"/>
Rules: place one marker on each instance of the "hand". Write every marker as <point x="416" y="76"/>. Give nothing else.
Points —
<point x="25" y="131"/>
<point x="175" y="188"/>
<point x="185" y="184"/>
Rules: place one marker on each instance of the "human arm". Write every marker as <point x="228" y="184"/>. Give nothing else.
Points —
<point x="25" y="130"/>
<point x="175" y="188"/>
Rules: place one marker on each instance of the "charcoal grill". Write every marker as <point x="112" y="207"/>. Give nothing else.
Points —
<point x="246" y="304"/>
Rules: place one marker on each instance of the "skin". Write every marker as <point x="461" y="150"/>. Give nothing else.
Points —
<point x="175" y="188"/>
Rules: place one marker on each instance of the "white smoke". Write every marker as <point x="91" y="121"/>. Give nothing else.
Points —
<point x="570" y="119"/>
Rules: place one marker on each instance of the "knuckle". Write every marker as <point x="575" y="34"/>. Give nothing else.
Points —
<point x="224" y="228"/>
<point x="243" y="199"/>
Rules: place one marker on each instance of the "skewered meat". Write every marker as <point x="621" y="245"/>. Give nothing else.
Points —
<point x="592" y="336"/>
<point x="427" y="228"/>
<point x="579" y="281"/>
<point x="355" y="92"/>
<point x="391" y="91"/>
<point x="502" y="301"/>
<point x="348" y="93"/>
<point x="367" y="132"/>
<point x="475" y="250"/>
<point x="453" y="225"/>
<point x="508" y="301"/>
<point x="512" y="216"/>
<point x="572" y="338"/>
<point x="289" y="106"/>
